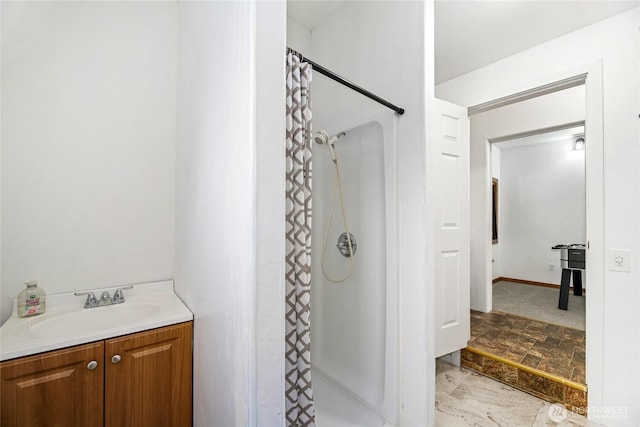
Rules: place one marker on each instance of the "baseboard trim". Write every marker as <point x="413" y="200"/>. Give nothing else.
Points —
<point x="530" y="282"/>
<point x="525" y="282"/>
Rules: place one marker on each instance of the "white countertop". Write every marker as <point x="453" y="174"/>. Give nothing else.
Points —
<point x="67" y="323"/>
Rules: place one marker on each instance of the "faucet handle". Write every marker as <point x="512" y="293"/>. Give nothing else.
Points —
<point x="91" y="301"/>
<point x="118" y="296"/>
<point x="105" y="299"/>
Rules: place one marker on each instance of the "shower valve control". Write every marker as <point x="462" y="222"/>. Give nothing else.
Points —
<point x="343" y="244"/>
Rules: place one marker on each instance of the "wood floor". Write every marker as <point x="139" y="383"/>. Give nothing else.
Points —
<point x="540" y="358"/>
<point x="550" y="348"/>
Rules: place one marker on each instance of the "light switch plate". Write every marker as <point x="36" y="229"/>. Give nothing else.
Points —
<point x="620" y="260"/>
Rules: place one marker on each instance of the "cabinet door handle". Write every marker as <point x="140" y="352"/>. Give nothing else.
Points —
<point x="116" y="359"/>
<point x="92" y="365"/>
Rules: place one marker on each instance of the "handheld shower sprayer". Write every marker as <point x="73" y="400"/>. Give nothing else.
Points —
<point x="347" y="244"/>
<point x="323" y="138"/>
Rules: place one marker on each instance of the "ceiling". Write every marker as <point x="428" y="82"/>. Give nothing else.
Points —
<point x="470" y="34"/>
<point x="311" y="13"/>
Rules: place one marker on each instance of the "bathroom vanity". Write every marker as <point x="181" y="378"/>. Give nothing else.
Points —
<point x="137" y="373"/>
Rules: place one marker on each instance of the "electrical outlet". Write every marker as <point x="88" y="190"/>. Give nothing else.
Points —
<point x="552" y="267"/>
<point x="620" y="260"/>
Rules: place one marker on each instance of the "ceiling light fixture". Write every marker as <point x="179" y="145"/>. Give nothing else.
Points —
<point x="579" y="144"/>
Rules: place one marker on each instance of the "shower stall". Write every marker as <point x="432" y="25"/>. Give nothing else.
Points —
<point x="354" y="326"/>
<point x="354" y="302"/>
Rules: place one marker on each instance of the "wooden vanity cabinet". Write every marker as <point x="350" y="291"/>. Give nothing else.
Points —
<point x="138" y="380"/>
<point x="148" y="378"/>
<point x="54" y="389"/>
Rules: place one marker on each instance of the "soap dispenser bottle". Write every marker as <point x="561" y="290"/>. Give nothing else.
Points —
<point x="32" y="300"/>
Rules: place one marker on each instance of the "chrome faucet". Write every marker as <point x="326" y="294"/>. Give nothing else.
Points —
<point x="105" y="298"/>
<point x="91" y="301"/>
<point x="118" y="296"/>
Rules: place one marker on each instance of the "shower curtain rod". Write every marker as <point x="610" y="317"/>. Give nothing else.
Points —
<point x="326" y="72"/>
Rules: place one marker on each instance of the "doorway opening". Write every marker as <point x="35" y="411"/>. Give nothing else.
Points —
<point x="540" y="213"/>
<point x="518" y="333"/>
<point x="589" y="78"/>
<point x="542" y="203"/>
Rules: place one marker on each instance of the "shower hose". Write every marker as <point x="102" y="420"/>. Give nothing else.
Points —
<point x="337" y="189"/>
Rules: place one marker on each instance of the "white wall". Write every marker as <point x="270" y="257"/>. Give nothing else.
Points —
<point x="270" y="226"/>
<point x="616" y="43"/>
<point x="215" y="202"/>
<point x="543" y="203"/>
<point x="298" y="37"/>
<point x="88" y="158"/>
<point x="380" y="46"/>
<point x="88" y="131"/>
<point x="230" y="206"/>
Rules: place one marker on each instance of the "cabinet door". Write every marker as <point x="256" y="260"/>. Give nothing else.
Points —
<point x="59" y="388"/>
<point x="148" y="378"/>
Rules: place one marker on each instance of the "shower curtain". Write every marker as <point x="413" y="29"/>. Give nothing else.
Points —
<point x="298" y="391"/>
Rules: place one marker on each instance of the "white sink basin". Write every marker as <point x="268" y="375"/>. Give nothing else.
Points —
<point x="66" y="322"/>
<point x="90" y="320"/>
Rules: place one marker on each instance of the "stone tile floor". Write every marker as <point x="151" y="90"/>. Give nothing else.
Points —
<point x="555" y="349"/>
<point x="464" y="398"/>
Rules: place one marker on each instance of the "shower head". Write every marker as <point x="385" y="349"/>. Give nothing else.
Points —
<point x="323" y="138"/>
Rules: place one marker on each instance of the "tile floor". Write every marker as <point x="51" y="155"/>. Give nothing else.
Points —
<point x="550" y="348"/>
<point x="464" y="398"/>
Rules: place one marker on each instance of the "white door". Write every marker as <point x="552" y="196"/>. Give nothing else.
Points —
<point x="451" y="213"/>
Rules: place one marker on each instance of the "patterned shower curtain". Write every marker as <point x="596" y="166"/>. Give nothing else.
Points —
<point x="298" y="390"/>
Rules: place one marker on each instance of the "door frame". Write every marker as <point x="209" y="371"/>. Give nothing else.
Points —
<point x="591" y="76"/>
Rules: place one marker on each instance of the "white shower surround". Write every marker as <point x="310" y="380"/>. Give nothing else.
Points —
<point x="355" y="323"/>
